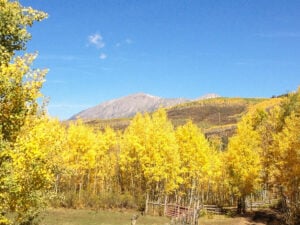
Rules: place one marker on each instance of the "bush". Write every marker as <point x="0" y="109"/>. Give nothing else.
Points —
<point x="56" y="200"/>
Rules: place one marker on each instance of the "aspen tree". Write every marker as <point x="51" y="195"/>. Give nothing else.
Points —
<point x="243" y="162"/>
<point x="149" y="155"/>
<point x="80" y="155"/>
<point x="288" y="165"/>
<point x="194" y="152"/>
<point x="14" y="35"/>
<point x="105" y="161"/>
<point x="132" y="143"/>
<point x="19" y="89"/>
<point x="35" y="162"/>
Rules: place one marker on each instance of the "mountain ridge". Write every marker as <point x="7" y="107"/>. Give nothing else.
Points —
<point x="128" y="106"/>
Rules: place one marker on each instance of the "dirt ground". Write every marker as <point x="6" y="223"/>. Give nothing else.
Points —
<point x="262" y="217"/>
<point x="219" y="220"/>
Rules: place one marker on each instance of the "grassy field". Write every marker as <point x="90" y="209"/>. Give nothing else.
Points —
<point x="89" y="217"/>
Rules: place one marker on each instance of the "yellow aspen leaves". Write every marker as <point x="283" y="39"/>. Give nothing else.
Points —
<point x="20" y="88"/>
<point x="243" y="159"/>
<point x="194" y="152"/>
<point x="149" y="152"/>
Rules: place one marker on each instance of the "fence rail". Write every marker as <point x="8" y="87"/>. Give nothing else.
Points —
<point x="179" y="214"/>
<point x="214" y="209"/>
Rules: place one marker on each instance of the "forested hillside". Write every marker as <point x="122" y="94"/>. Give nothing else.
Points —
<point x="216" y="117"/>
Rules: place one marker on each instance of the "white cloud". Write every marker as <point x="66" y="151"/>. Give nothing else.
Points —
<point x="96" y="40"/>
<point x="103" y="56"/>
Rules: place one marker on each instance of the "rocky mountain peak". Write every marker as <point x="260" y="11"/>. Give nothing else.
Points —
<point x="128" y="106"/>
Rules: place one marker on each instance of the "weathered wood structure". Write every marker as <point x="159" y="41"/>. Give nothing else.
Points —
<point x="177" y="213"/>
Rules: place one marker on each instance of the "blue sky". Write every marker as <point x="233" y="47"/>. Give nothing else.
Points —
<point x="97" y="50"/>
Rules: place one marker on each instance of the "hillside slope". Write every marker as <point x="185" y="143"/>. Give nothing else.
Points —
<point x="128" y="106"/>
<point x="217" y="117"/>
<point x="213" y="116"/>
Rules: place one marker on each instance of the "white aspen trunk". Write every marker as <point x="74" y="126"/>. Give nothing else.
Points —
<point x="146" y="203"/>
<point x="56" y="184"/>
<point x="251" y="200"/>
<point x="158" y="203"/>
<point x="165" y="205"/>
<point x="88" y="180"/>
<point x="95" y="183"/>
<point x="207" y="192"/>
<point x="132" y="183"/>
<point x="79" y="193"/>
<point x="194" y="213"/>
<point x="192" y="193"/>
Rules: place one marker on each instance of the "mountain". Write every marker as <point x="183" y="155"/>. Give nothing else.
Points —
<point x="128" y="106"/>
<point x="217" y="117"/>
<point x="208" y="96"/>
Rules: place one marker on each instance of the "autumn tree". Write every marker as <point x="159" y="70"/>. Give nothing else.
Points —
<point x="106" y="162"/>
<point x="132" y="144"/>
<point x="80" y="156"/>
<point x="286" y="156"/>
<point x="149" y="155"/>
<point x="36" y="158"/>
<point x="289" y="165"/>
<point x="243" y="162"/>
<point x="161" y="159"/>
<point x="19" y="88"/>
<point x="278" y="129"/>
<point x="14" y="35"/>
<point x="194" y="151"/>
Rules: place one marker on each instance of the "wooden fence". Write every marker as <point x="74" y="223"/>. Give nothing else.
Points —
<point x="182" y="214"/>
<point x="212" y="209"/>
<point x="177" y="213"/>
